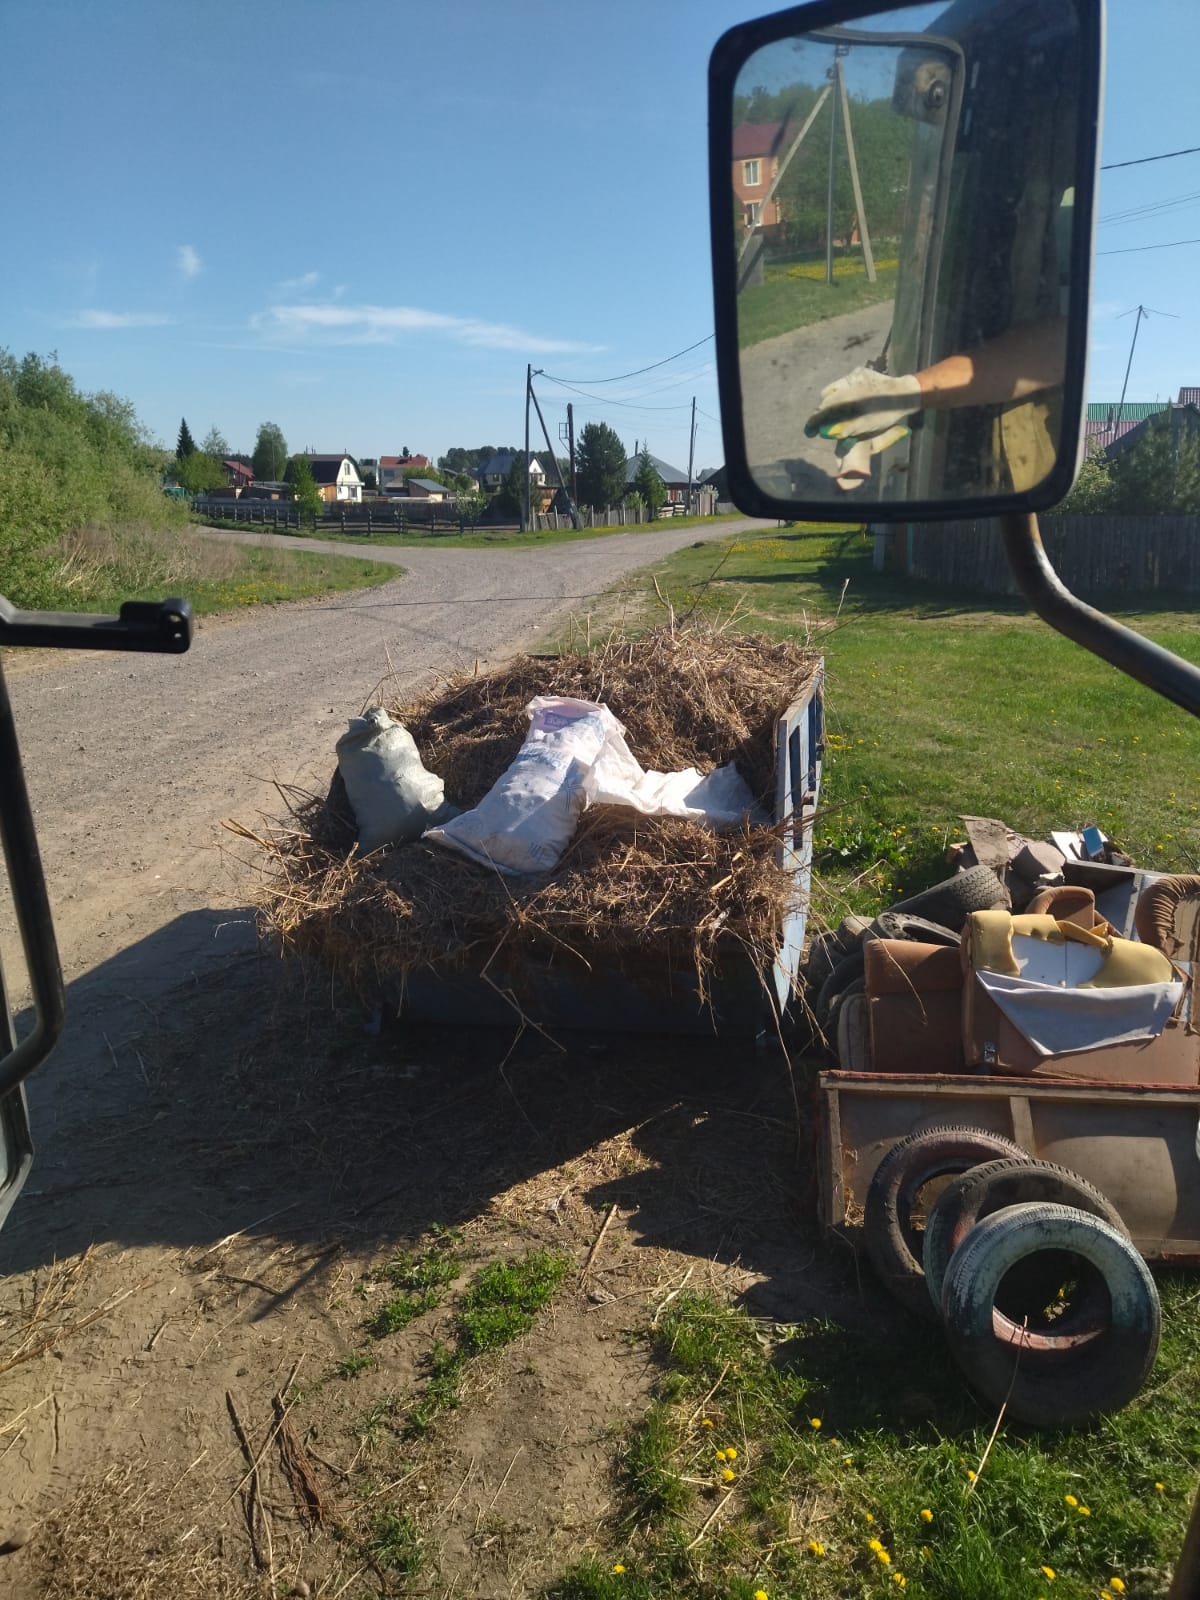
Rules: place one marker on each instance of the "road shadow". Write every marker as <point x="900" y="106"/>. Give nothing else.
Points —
<point x="247" y="1098"/>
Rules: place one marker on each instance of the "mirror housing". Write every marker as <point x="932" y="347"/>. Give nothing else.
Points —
<point x="902" y="260"/>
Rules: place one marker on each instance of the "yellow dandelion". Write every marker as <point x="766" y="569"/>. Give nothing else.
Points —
<point x="728" y="1475"/>
<point x="1160" y="1487"/>
<point x="1050" y="1573"/>
<point x="899" y="1578"/>
<point x="882" y="1555"/>
<point x="970" y="1475"/>
<point x="731" y="1454"/>
<point x="1084" y="1511"/>
<point x="926" y="1515"/>
<point x="876" y="1545"/>
<point x="847" y="1461"/>
<point x="815" y="1547"/>
<point x="814" y="1422"/>
<point x="617" y="1567"/>
<point x="1105" y="1595"/>
<point x="869" y="1516"/>
<point x="760" y="1594"/>
<point x="1070" y="1499"/>
<point x="1117" y="1585"/>
<point x="721" y="1455"/>
<point x="706" y="1422"/>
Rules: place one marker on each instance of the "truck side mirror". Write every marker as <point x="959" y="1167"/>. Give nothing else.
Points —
<point x="902" y="241"/>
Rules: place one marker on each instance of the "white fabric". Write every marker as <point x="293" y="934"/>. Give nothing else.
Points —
<point x="865" y="402"/>
<point x="393" y="797"/>
<point x="1064" y="1021"/>
<point x="722" y="799"/>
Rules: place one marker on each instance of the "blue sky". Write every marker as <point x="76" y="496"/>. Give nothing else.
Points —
<point x="361" y="220"/>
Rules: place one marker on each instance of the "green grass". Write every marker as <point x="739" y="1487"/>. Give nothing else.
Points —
<point x="423" y="1279"/>
<point x="95" y="570"/>
<point x="393" y="1543"/>
<point x="506" y="1295"/>
<point x="898" y="1436"/>
<point x="941" y="703"/>
<point x="487" y="539"/>
<point x="353" y="1366"/>
<point x="783" y="304"/>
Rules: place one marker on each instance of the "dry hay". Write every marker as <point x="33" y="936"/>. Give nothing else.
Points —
<point x="633" y="894"/>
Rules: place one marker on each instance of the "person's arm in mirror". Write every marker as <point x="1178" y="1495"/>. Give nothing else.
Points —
<point x="1022" y="362"/>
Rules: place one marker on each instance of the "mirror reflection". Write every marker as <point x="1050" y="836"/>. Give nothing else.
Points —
<point x="903" y="208"/>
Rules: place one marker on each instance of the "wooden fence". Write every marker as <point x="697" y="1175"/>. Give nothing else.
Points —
<point x="410" y="516"/>
<point x="1092" y="555"/>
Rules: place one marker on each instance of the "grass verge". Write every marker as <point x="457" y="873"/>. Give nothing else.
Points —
<point x="506" y="538"/>
<point x="97" y="569"/>
<point x="825" y="1462"/>
<point x="783" y="304"/>
<point x="941" y="703"/>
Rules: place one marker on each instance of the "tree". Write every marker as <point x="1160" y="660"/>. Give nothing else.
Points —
<point x="199" y="473"/>
<point x="1093" y="491"/>
<point x="216" y="444"/>
<point x="186" y="445"/>
<point x="299" y="474"/>
<point x="651" y="490"/>
<point x="369" y="479"/>
<point x="270" y="452"/>
<point x="600" y="465"/>
<point x="510" y="497"/>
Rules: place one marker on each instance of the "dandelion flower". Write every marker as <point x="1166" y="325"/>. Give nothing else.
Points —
<point x="617" y="1567"/>
<point x="1117" y="1585"/>
<point x="706" y="1422"/>
<point x="815" y="1547"/>
<point x="847" y="1461"/>
<point x="1084" y="1511"/>
<point x="899" y="1578"/>
<point x="875" y="1545"/>
<point x="926" y="1515"/>
<point x="760" y="1594"/>
<point x="1050" y="1573"/>
<point x="1070" y="1499"/>
<point x="882" y="1555"/>
<point x="869" y="1516"/>
<point x="728" y="1475"/>
<point x="1160" y="1487"/>
<point x="731" y="1454"/>
<point x="970" y="1475"/>
<point x="720" y="1455"/>
<point x="814" y="1422"/>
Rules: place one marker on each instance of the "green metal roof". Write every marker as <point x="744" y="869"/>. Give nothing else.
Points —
<point x="1131" y="411"/>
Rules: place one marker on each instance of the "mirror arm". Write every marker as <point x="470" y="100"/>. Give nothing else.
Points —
<point x="1167" y="674"/>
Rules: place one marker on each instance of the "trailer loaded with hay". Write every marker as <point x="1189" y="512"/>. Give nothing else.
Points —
<point x="648" y="922"/>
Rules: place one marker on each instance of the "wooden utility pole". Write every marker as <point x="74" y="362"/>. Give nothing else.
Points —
<point x="528" y="391"/>
<point x="868" y="257"/>
<point x="783" y="165"/>
<point x="576" y="521"/>
<point x="691" y="452"/>
<point x="571" y="451"/>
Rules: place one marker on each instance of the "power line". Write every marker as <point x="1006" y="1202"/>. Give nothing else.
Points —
<point x="1167" y="155"/>
<point x="1135" y="249"/>
<point x="601" y="401"/>
<point x="621" y="376"/>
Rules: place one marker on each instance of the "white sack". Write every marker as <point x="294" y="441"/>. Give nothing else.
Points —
<point x="527" y="818"/>
<point x="393" y="797"/>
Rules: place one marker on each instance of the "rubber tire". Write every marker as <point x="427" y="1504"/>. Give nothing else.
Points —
<point x="900" y="925"/>
<point x="857" y="986"/>
<point x="990" y="1188"/>
<point x="951" y="902"/>
<point x="891" y="1242"/>
<point x="1051" y="1389"/>
<point x="846" y="972"/>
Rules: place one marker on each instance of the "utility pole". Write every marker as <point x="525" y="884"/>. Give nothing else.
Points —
<point x="528" y="391"/>
<point x="863" y="232"/>
<point x="1141" y="311"/>
<point x="571" y="451"/>
<point x="691" y="452"/>
<point x="829" y="186"/>
<point x="576" y="521"/>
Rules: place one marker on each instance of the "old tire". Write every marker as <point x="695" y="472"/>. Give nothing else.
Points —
<point x="892" y="1240"/>
<point x="1056" y="1388"/>
<point x="951" y="902"/>
<point x="901" y="925"/>
<point x="991" y="1187"/>
<point x="846" y="972"/>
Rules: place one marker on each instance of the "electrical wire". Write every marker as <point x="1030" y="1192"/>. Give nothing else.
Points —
<point x="601" y="401"/>
<point x="621" y="376"/>
<point x="1167" y="155"/>
<point x="1136" y="249"/>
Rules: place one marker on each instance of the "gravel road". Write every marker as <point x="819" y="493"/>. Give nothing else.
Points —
<point x="133" y="761"/>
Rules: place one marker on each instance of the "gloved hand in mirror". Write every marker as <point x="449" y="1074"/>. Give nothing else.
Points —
<point x="863" y="404"/>
<point x="854" y="455"/>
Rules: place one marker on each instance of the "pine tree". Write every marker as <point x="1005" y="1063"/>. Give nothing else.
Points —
<point x="651" y="490"/>
<point x="600" y="466"/>
<point x="186" y="445"/>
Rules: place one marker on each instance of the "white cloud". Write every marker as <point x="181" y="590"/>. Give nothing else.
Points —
<point x="300" y="285"/>
<point x="367" y="324"/>
<point x="189" y="260"/>
<point x="120" y="319"/>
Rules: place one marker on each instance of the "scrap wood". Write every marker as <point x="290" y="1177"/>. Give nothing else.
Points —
<point x="597" y="1241"/>
<point x="250" y="1489"/>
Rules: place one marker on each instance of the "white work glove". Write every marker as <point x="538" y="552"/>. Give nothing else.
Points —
<point x="854" y="463"/>
<point x="862" y="404"/>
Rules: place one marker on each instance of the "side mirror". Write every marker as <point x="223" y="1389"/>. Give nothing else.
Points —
<point x="902" y="241"/>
